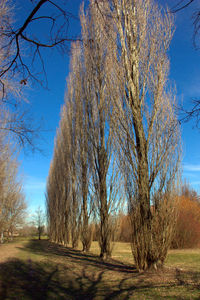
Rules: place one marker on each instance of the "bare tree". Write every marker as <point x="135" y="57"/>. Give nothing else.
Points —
<point x="130" y="110"/>
<point x="15" y="203"/>
<point x="63" y="195"/>
<point x="145" y="125"/>
<point x="12" y="201"/>
<point x="83" y="143"/>
<point x="52" y="200"/>
<point x="39" y="221"/>
<point x="58" y="191"/>
<point x="86" y="137"/>
<point x="98" y="59"/>
<point x="71" y="117"/>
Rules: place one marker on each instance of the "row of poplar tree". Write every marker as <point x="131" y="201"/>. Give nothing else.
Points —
<point x="117" y="145"/>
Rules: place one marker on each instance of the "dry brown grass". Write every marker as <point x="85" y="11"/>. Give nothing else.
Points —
<point x="10" y="250"/>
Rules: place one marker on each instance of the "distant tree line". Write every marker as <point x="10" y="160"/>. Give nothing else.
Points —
<point x="12" y="200"/>
<point x="186" y="228"/>
<point x="118" y="142"/>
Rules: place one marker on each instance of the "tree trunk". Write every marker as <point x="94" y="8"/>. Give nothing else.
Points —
<point x="86" y="235"/>
<point x="141" y="218"/>
<point x="2" y="237"/>
<point x="86" y="232"/>
<point x="66" y="229"/>
<point x="105" y="235"/>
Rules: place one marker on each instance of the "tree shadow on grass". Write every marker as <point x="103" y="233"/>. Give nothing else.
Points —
<point x="30" y="280"/>
<point x="25" y="280"/>
<point x="188" y="278"/>
<point x="57" y="279"/>
<point x="45" y="248"/>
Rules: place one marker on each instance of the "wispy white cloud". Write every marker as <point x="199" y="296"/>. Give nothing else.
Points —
<point x="192" y="91"/>
<point x="191" y="167"/>
<point x="33" y="183"/>
<point x="196" y="182"/>
<point x="191" y="175"/>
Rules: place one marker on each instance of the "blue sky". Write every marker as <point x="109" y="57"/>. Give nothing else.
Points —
<point x="45" y="105"/>
<point x="184" y="71"/>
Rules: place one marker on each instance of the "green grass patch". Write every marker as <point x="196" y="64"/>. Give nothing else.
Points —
<point x="188" y="259"/>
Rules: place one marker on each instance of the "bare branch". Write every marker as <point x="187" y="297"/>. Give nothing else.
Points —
<point x="185" y="115"/>
<point x="14" y="37"/>
<point x="179" y="6"/>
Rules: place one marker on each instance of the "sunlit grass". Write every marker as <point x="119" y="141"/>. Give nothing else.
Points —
<point x="121" y="251"/>
<point x="188" y="259"/>
<point x="183" y="258"/>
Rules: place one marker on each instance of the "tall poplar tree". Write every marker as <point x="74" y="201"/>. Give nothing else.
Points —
<point x="145" y="125"/>
<point x="98" y="59"/>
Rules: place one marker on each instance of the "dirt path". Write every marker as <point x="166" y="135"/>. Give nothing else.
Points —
<point x="10" y="250"/>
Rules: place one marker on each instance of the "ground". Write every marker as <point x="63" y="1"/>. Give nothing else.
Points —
<point x="35" y="269"/>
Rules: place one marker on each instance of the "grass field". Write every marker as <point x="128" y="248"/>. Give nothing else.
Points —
<point x="33" y="269"/>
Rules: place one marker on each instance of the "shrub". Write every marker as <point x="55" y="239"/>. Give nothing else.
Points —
<point x="187" y="233"/>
